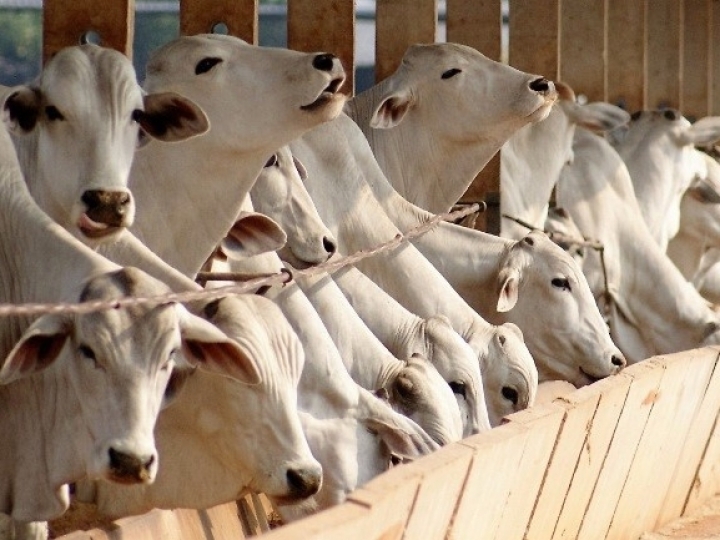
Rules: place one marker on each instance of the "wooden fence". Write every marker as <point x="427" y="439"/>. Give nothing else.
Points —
<point x="612" y="460"/>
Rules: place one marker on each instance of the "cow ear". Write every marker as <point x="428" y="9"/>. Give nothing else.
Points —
<point x="600" y="116"/>
<point x="703" y="192"/>
<point x="392" y="110"/>
<point x="509" y="284"/>
<point x="204" y="345"/>
<point x="21" y="109"/>
<point x="399" y="439"/>
<point x="171" y="117"/>
<point x="38" y="347"/>
<point x="252" y="234"/>
<point x="704" y="131"/>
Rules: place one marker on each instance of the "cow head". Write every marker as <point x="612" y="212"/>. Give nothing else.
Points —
<point x="77" y="130"/>
<point x="118" y="363"/>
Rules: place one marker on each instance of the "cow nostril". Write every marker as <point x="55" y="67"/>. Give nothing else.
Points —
<point x="618" y="361"/>
<point x="329" y="245"/>
<point x="324" y="62"/>
<point x="91" y="198"/>
<point x="124" y="199"/>
<point x="127" y="467"/>
<point x="540" y="85"/>
<point x="303" y="483"/>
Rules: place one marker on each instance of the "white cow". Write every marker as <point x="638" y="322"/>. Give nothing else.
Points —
<point x="235" y="84"/>
<point x="341" y="171"/>
<point x="658" y="148"/>
<point x="503" y="280"/>
<point x="280" y="193"/>
<point x="211" y="441"/>
<point x="531" y="159"/>
<point x="699" y="228"/>
<point x="436" y="122"/>
<point x="90" y="381"/>
<point x="87" y="102"/>
<point x="654" y="310"/>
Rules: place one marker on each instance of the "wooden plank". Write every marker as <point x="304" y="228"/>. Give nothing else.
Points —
<point x="714" y="58"/>
<point x="576" y="429"/>
<point x="399" y="24"/>
<point x="344" y="521"/>
<point x="476" y="23"/>
<point x="534" y="36"/>
<point x="695" y="443"/>
<point x="696" y="64"/>
<point x="65" y="24"/>
<point x="492" y="476"/>
<point x="443" y="476"/>
<point x="201" y="17"/>
<point x="647" y="377"/>
<point x="664" y="53"/>
<point x="707" y="479"/>
<point x="464" y="19"/>
<point x="543" y="424"/>
<point x="626" y="51"/>
<point x="648" y="480"/>
<point x="583" y="47"/>
<point x="324" y="26"/>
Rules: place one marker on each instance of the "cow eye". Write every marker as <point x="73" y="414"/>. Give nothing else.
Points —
<point x="52" y="113"/>
<point x="206" y="64"/>
<point x="561" y="283"/>
<point x="451" y="73"/>
<point x="88" y="353"/>
<point x="458" y="387"/>
<point x="136" y="115"/>
<point x="510" y="394"/>
<point x="272" y="161"/>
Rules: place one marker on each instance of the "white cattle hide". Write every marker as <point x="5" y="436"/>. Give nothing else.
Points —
<point x="341" y="174"/>
<point x="80" y="122"/>
<point x="222" y="437"/>
<point x="279" y="194"/>
<point x="236" y="84"/>
<point x="503" y="280"/>
<point x="436" y="122"/>
<point x="413" y="385"/>
<point x="658" y="148"/>
<point x="654" y="310"/>
<point x="531" y="159"/>
<point x="405" y="334"/>
<point x="699" y="221"/>
<point x="90" y="394"/>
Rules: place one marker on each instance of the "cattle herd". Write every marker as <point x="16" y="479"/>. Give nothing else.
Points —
<point x="250" y="159"/>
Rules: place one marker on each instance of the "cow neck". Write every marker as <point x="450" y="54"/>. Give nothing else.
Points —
<point x="202" y="197"/>
<point x="646" y="285"/>
<point x="44" y="454"/>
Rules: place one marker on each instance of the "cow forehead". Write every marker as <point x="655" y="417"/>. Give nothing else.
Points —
<point x="85" y="72"/>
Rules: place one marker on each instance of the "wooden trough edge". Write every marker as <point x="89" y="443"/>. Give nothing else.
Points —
<point x="611" y="460"/>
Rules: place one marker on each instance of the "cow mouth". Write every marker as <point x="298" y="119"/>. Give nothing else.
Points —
<point x="590" y="378"/>
<point x="94" y="229"/>
<point x="287" y="255"/>
<point x="326" y="96"/>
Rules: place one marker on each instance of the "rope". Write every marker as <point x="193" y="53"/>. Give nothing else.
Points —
<point x="249" y="282"/>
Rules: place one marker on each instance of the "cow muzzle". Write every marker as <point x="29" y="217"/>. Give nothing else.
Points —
<point x="128" y="468"/>
<point x="105" y="212"/>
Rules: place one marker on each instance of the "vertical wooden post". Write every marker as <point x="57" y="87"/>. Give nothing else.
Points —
<point x="714" y="59"/>
<point x="626" y="64"/>
<point x="399" y="24"/>
<point x="65" y="23"/>
<point x="582" y="47"/>
<point x="535" y="36"/>
<point x="201" y="16"/>
<point x="664" y="54"/>
<point x="324" y="26"/>
<point x="478" y="23"/>
<point x="697" y="58"/>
